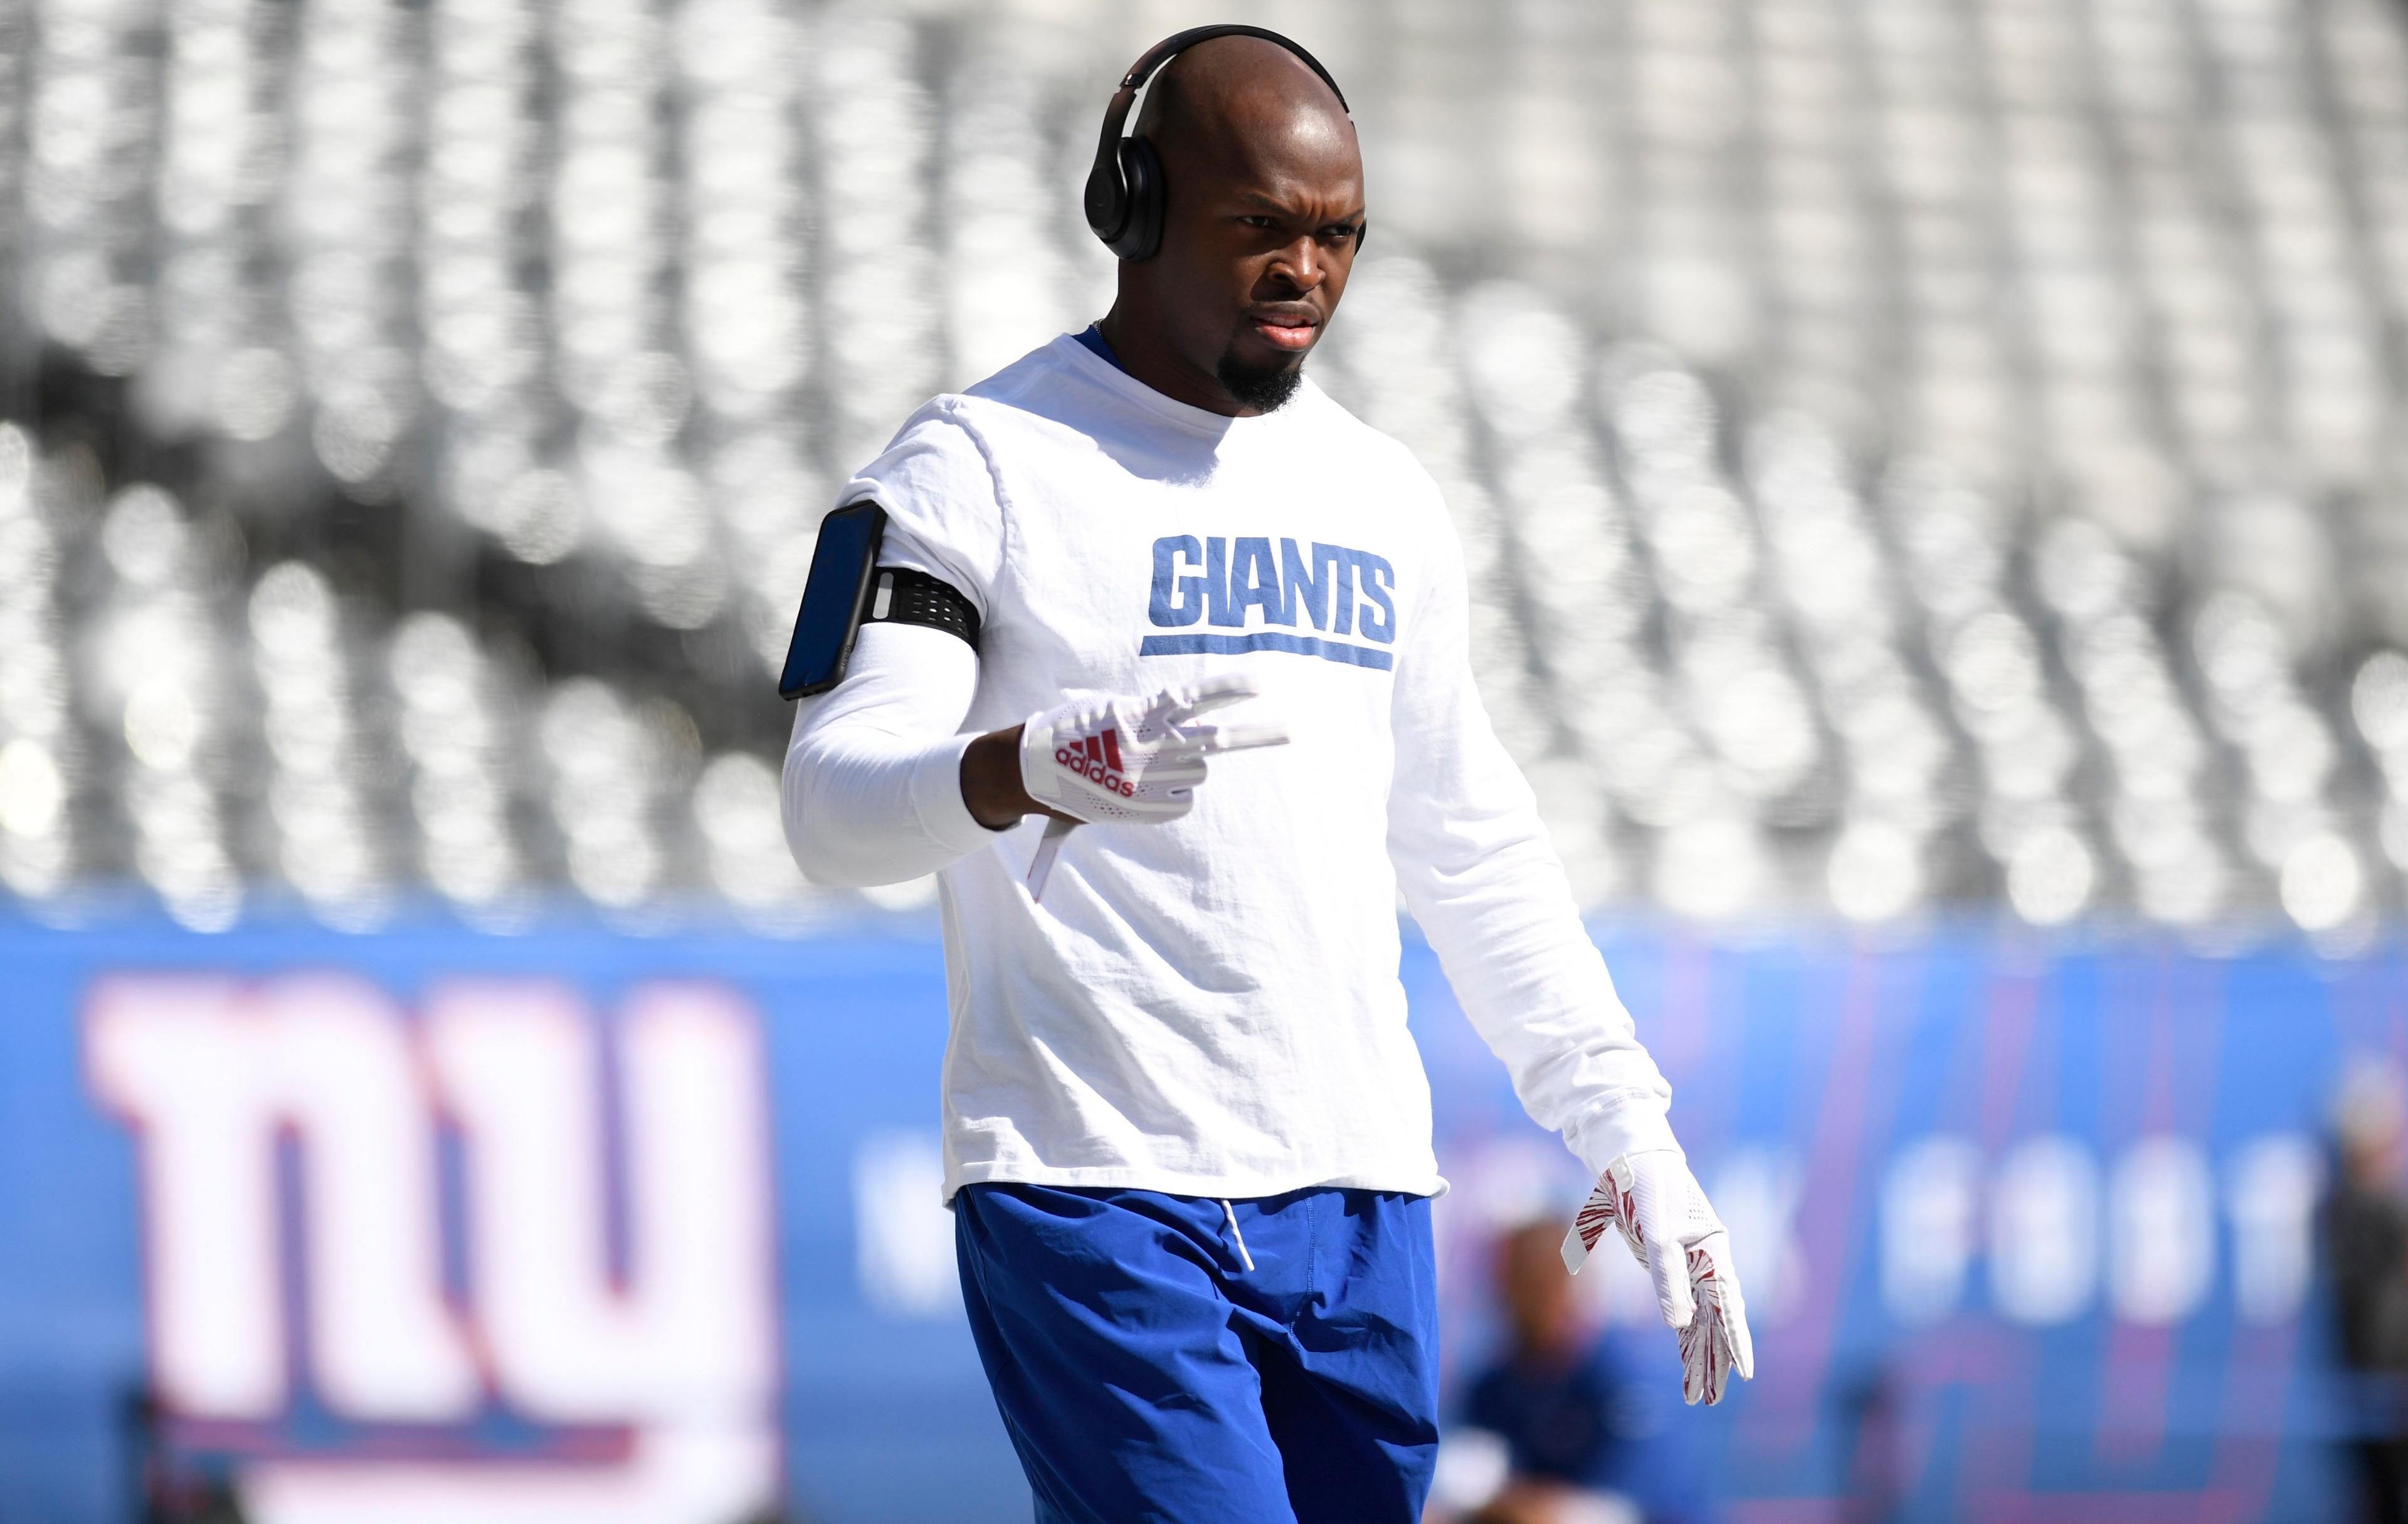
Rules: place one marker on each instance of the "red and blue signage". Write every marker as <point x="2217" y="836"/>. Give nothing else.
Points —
<point x="434" y="1224"/>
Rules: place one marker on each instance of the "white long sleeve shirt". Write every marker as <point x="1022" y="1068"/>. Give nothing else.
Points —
<point x="1209" y="1006"/>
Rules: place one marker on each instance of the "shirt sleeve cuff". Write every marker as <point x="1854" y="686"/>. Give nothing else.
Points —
<point x="937" y="799"/>
<point x="1605" y="1133"/>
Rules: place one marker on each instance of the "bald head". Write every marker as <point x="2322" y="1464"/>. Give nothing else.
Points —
<point x="1262" y="194"/>
<point x="1243" y="102"/>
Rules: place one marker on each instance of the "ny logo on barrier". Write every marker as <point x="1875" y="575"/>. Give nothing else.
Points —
<point x="438" y="1238"/>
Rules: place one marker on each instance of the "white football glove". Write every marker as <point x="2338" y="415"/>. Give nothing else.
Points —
<point x="1133" y="758"/>
<point x="1666" y="1221"/>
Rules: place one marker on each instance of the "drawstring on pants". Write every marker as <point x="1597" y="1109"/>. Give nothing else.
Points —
<point x="1231" y="1212"/>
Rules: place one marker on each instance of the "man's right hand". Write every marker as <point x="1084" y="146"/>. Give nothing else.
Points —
<point x="1133" y="759"/>
<point x="991" y="785"/>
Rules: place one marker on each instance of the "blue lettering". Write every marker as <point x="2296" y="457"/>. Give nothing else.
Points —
<point x="1309" y="583"/>
<point x="1254" y="581"/>
<point x="1341" y="563"/>
<point x="1378" y="580"/>
<point x="1217" y="583"/>
<point x="1218" y="580"/>
<point x="1177" y="600"/>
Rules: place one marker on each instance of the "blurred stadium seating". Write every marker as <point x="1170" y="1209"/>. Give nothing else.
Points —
<point x="1917" y="455"/>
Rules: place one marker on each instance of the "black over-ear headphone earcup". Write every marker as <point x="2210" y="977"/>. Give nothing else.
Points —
<point x="1141" y="233"/>
<point x="1106" y="200"/>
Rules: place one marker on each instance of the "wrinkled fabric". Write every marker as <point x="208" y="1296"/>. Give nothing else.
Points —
<point x="1208" y="1006"/>
<point x="1145" y="1372"/>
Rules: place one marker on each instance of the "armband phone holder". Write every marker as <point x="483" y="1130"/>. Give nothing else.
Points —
<point x="835" y="597"/>
<point x="847" y="589"/>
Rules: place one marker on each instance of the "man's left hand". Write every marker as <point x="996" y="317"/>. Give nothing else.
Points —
<point x="1665" y="1218"/>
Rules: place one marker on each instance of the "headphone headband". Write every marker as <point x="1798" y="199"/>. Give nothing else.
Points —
<point x="1124" y="193"/>
<point x="1171" y="47"/>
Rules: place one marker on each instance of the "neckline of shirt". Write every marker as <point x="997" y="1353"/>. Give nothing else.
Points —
<point x="1194" y="420"/>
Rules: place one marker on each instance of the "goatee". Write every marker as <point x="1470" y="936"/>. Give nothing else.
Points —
<point x="1266" y="388"/>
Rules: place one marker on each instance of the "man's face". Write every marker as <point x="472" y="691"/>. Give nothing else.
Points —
<point x="1258" y="237"/>
<point x="1535" y="1291"/>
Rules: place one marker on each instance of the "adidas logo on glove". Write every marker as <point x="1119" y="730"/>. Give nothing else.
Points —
<point x="1097" y="759"/>
<point x="1133" y="758"/>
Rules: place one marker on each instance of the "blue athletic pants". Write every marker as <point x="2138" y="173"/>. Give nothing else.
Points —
<point x="1145" y="1372"/>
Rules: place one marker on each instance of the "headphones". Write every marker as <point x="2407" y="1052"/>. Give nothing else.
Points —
<point x="1124" y="198"/>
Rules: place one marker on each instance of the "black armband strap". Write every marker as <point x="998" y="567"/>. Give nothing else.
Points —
<point x="847" y="589"/>
<point x="900" y="595"/>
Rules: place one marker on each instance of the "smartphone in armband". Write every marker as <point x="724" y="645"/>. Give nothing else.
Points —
<point x="835" y="598"/>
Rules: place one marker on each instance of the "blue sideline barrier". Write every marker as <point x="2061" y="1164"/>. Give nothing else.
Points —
<point x="2025" y="1224"/>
